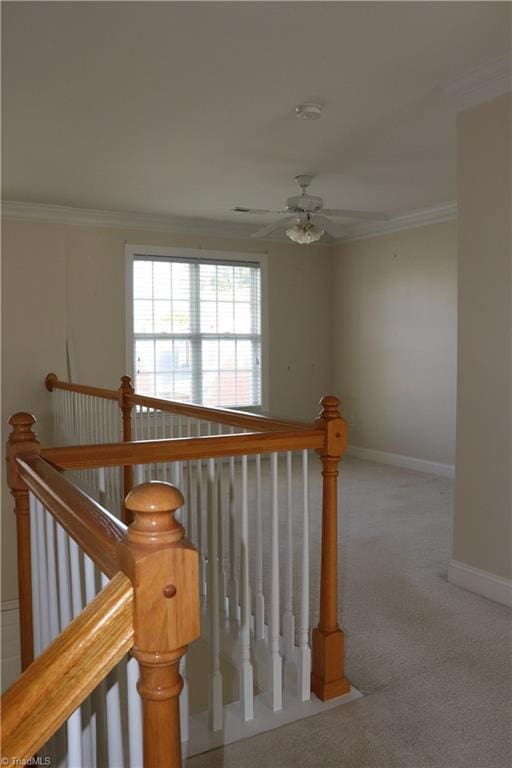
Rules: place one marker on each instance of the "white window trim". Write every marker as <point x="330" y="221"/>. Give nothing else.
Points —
<point x="197" y="253"/>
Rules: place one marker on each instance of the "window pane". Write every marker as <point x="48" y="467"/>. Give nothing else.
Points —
<point x="208" y="317"/>
<point x="142" y="279"/>
<point x="181" y="357"/>
<point x="226" y="323"/>
<point x="181" y="281"/>
<point x="243" y="276"/>
<point x="210" y="353"/>
<point x="211" y="389"/>
<point x="228" y="386"/>
<point x="164" y="388"/>
<point x="244" y="387"/>
<point x="161" y="280"/>
<point x="163" y="355"/>
<point x="163" y="317"/>
<point x="144" y="356"/>
<point x="143" y="316"/>
<point x="182" y="387"/>
<point x="227" y="354"/>
<point x="243" y="317"/>
<point x="225" y="283"/>
<point x="181" y="317"/>
<point x="244" y="354"/>
<point x="208" y="281"/>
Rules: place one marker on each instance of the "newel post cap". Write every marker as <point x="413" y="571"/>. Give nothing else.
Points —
<point x="152" y="506"/>
<point x="330" y="407"/>
<point x="51" y="381"/>
<point x="21" y="424"/>
<point x="126" y="383"/>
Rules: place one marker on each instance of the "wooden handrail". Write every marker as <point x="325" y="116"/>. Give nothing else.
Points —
<point x="181" y="449"/>
<point x="52" y="382"/>
<point x="56" y="683"/>
<point x="95" y="529"/>
<point x="227" y="416"/>
<point x="126" y="398"/>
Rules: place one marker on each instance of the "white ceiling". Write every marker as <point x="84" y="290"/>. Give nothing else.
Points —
<point x="187" y="108"/>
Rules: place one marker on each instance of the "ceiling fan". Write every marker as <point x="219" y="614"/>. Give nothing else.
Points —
<point x="307" y="219"/>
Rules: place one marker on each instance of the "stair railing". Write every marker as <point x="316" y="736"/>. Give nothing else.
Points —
<point x="74" y="638"/>
<point x="196" y="436"/>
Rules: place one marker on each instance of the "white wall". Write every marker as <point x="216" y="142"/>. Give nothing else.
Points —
<point x="482" y="536"/>
<point x="394" y="326"/>
<point x="62" y="279"/>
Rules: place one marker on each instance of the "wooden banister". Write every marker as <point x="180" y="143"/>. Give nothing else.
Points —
<point x="22" y="442"/>
<point x="328" y="679"/>
<point x="53" y="382"/>
<point x="235" y="418"/>
<point x="95" y="529"/>
<point x="55" y="684"/>
<point x="228" y="416"/>
<point x="181" y="449"/>
<point x="164" y="570"/>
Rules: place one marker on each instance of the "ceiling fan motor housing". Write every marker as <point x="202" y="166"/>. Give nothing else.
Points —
<point x="306" y="203"/>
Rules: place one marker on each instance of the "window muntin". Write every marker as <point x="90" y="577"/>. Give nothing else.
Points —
<point x="197" y="330"/>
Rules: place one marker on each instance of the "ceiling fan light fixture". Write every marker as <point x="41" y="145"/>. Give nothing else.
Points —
<point x="305" y="232"/>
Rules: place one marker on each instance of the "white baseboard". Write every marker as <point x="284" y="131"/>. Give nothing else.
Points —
<point x="10" y="640"/>
<point x="482" y="582"/>
<point x="397" y="460"/>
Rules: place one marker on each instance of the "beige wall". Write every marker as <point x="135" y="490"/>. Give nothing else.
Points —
<point x="394" y="326"/>
<point x="483" y="503"/>
<point x="60" y="280"/>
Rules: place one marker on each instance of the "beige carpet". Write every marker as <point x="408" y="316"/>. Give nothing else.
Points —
<point x="434" y="659"/>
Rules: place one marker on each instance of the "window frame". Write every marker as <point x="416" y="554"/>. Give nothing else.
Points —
<point x="148" y="251"/>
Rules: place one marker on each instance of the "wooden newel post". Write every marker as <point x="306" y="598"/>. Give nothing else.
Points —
<point x="22" y="442"/>
<point x="164" y="570"/>
<point x="328" y="679"/>
<point x="126" y="409"/>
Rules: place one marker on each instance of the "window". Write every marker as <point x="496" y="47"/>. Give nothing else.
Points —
<point x="196" y="329"/>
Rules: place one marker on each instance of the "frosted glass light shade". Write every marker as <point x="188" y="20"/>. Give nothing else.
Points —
<point x="305" y="233"/>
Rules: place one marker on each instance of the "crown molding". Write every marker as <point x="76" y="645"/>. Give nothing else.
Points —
<point x="60" y="214"/>
<point x="90" y="217"/>
<point x="423" y="217"/>
<point x="482" y="84"/>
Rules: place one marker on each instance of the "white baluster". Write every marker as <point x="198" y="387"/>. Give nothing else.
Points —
<point x="53" y="607"/>
<point x="89" y="709"/>
<point x="74" y="722"/>
<point x="115" y="746"/>
<point x="276" y="691"/>
<point x="215" y="709"/>
<point x="288" y="617"/>
<point x="233" y="587"/>
<point x="200" y="532"/>
<point x="259" y="618"/>
<point x="223" y="586"/>
<point x="246" y="674"/>
<point x="76" y="605"/>
<point x="35" y="575"/>
<point x="134" y="714"/>
<point x="304" y="651"/>
<point x="102" y="487"/>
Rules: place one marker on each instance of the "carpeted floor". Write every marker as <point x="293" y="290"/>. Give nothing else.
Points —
<point x="435" y="660"/>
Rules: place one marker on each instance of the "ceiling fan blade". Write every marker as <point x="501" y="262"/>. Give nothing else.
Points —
<point x="274" y="227"/>
<point x="329" y="226"/>
<point x="242" y="209"/>
<point x="348" y="214"/>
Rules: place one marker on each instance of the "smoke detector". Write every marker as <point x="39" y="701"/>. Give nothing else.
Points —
<point x="308" y="111"/>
